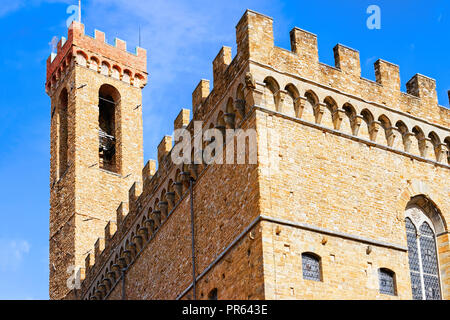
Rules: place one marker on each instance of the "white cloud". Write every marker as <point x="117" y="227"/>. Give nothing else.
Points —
<point x="12" y="253"/>
<point x="182" y="38"/>
<point x="171" y="30"/>
<point x="10" y="6"/>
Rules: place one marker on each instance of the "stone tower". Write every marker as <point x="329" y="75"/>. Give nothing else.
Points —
<point x="96" y="144"/>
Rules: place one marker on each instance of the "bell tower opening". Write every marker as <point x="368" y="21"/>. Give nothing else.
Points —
<point x="62" y="132"/>
<point x="108" y="106"/>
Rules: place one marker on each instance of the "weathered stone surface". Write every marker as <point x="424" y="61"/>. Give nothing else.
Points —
<point x="339" y="158"/>
<point x="84" y="199"/>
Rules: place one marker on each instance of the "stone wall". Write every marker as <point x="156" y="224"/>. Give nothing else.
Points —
<point x="339" y="159"/>
<point x="350" y="195"/>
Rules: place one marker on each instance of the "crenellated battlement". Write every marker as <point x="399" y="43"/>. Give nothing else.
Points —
<point x="255" y="41"/>
<point x="115" y="61"/>
<point x="291" y="85"/>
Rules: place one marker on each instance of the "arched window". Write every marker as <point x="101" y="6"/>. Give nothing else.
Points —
<point x="311" y="267"/>
<point x="387" y="281"/>
<point x="63" y="131"/>
<point x="109" y="99"/>
<point x="422" y="255"/>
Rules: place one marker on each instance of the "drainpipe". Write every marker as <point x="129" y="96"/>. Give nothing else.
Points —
<point x="194" y="281"/>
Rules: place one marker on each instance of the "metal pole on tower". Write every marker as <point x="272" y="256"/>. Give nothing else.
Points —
<point x="79" y="11"/>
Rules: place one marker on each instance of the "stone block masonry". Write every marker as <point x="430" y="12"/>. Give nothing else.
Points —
<point x="93" y="87"/>
<point x="342" y="163"/>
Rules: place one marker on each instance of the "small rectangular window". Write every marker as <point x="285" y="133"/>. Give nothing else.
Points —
<point x="311" y="267"/>
<point x="387" y="281"/>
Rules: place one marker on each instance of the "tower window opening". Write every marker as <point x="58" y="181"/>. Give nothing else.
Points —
<point x="107" y="129"/>
<point x="63" y="132"/>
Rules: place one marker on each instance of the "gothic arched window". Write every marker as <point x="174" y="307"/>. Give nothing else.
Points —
<point x="311" y="267"/>
<point x="422" y="255"/>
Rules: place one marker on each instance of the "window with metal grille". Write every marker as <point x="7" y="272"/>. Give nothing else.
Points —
<point x="423" y="261"/>
<point x="413" y="256"/>
<point x="311" y="267"/>
<point x="387" y="281"/>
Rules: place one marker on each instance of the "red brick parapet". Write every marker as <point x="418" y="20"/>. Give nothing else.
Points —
<point x="115" y="60"/>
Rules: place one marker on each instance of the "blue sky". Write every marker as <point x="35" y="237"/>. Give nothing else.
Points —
<point x="182" y="39"/>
